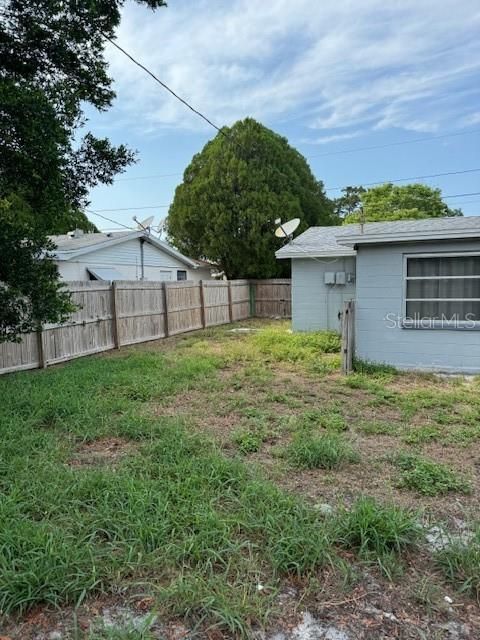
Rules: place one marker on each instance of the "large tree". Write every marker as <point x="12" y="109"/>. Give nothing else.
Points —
<point x="52" y="65"/>
<point x="231" y="194"/>
<point x="393" y="202"/>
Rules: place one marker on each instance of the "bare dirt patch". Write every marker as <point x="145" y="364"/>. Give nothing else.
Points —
<point x="105" y="451"/>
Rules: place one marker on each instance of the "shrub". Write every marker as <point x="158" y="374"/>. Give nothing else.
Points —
<point x="327" y="451"/>
<point x="428" y="477"/>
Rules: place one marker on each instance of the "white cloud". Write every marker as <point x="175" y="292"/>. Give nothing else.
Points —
<point x="343" y="64"/>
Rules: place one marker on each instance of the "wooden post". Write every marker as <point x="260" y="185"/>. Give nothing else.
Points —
<point x="165" y="310"/>
<point x="253" y="291"/>
<point x="348" y="332"/>
<point x="42" y="362"/>
<point x="230" y="302"/>
<point x="202" y="305"/>
<point x="115" y="331"/>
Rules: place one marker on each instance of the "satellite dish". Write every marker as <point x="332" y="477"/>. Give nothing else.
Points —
<point x="286" y="229"/>
<point x="144" y="224"/>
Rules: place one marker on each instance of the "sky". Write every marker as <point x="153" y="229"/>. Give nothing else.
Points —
<point x="367" y="90"/>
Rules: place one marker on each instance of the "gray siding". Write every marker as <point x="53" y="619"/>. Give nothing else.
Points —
<point x="380" y="293"/>
<point x="315" y="305"/>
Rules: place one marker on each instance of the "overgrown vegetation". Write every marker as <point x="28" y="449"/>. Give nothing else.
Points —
<point x="141" y="471"/>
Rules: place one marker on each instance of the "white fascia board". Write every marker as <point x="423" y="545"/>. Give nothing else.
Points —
<point x="394" y="238"/>
<point x="316" y="254"/>
<point x="163" y="246"/>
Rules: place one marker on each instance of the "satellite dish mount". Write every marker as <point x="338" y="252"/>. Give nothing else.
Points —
<point x="286" y="229"/>
<point x="144" y="225"/>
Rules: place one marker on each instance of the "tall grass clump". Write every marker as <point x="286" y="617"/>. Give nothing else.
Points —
<point x="326" y="451"/>
<point x="374" y="528"/>
<point x="460" y="563"/>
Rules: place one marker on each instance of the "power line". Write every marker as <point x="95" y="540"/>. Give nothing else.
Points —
<point x="109" y="219"/>
<point x="158" y="175"/>
<point x="433" y="175"/>
<point x="151" y="206"/>
<point x="157" y="206"/>
<point x="461" y="195"/>
<point x="165" y="86"/>
<point x="394" y="144"/>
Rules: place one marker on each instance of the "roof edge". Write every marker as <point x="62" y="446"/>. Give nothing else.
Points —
<point x="407" y="236"/>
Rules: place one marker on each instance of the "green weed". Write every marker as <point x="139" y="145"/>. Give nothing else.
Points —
<point x="428" y="477"/>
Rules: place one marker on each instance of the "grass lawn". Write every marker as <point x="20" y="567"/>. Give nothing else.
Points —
<point x="225" y="482"/>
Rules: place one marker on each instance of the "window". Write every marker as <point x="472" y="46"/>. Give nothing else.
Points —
<point x="443" y="290"/>
<point x="165" y="275"/>
<point x="181" y="275"/>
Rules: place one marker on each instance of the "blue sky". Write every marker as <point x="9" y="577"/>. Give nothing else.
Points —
<point x="331" y="76"/>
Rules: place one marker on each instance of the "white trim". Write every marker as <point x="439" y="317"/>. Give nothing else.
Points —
<point x="407" y="236"/>
<point x="69" y="254"/>
<point x="315" y="254"/>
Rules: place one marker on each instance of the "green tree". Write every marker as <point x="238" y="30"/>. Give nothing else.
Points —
<point x="349" y="202"/>
<point x="51" y="65"/>
<point x="393" y="202"/>
<point x="231" y="194"/>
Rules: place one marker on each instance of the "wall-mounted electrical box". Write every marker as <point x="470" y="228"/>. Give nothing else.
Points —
<point x="329" y="277"/>
<point x="350" y="278"/>
<point x="340" y="277"/>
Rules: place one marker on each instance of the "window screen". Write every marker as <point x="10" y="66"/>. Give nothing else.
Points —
<point x="181" y="275"/>
<point x="445" y="288"/>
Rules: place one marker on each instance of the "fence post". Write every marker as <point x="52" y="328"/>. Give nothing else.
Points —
<point x="230" y="302"/>
<point x="348" y="332"/>
<point x="202" y="305"/>
<point x="253" y="292"/>
<point x="116" y="335"/>
<point x="42" y="363"/>
<point x="165" y="310"/>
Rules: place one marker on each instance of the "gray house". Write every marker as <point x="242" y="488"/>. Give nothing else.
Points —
<point x="416" y="286"/>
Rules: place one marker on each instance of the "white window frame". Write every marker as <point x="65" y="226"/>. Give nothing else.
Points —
<point x="428" y="323"/>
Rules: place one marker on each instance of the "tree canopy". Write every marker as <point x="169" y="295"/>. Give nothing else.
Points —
<point x="52" y="65"/>
<point x="392" y="202"/>
<point x="231" y="194"/>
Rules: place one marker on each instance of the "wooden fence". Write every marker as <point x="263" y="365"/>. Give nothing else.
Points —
<point x="127" y="312"/>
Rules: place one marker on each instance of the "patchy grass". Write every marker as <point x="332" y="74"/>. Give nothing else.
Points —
<point x="198" y="468"/>
<point x="460" y="562"/>
<point x="428" y="477"/>
<point x="327" y="451"/>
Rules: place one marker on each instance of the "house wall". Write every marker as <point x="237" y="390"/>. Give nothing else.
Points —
<point x="316" y="305"/>
<point x="125" y="257"/>
<point x="380" y="293"/>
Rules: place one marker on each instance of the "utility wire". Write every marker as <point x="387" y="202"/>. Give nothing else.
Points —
<point x="433" y="175"/>
<point x="110" y="219"/>
<point x="394" y="144"/>
<point x="165" y="86"/>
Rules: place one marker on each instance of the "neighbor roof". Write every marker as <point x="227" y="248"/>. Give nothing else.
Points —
<point x="342" y="240"/>
<point x="69" y="247"/>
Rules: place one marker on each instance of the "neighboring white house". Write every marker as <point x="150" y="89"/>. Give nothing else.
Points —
<point x="123" y="255"/>
<point x="416" y="286"/>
